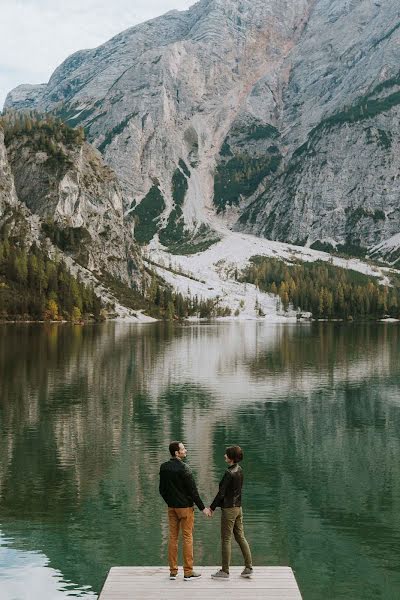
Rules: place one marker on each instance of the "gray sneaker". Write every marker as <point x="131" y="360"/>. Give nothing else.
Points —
<point x="192" y="576"/>
<point x="246" y="573"/>
<point x="173" y="576"/>
<point x="220" y="575"/>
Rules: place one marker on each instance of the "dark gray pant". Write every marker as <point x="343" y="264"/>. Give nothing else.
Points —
<point x="232" y="522"/>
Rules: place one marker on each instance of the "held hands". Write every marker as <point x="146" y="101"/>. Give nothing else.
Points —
<point x="208" y="512"/>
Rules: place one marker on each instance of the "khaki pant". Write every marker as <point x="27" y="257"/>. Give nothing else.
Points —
<point x="232" y="522"/>
<point x="181" y="518"/>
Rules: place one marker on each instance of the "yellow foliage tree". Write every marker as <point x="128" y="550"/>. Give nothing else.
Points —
<point x="76" y="315"/>
<point x="51" y="312"/>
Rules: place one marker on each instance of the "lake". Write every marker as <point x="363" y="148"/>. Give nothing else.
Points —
<point x="86" y="415"/>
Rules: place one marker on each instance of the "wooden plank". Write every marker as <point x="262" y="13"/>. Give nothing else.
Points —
<point x="198" y="594"/>
<point x="152" y="583"/>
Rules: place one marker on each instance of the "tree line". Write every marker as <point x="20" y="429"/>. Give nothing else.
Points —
<point x="43" y="133"/>
<point x="48" y="126"/>
<point x="34" y="287"/>
<point x="170" y="305"/>
<point x="323" y="289"/>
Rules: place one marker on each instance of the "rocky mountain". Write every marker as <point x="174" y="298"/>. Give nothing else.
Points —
<point x="273" y="117"/>
<point x="13" y="214"/>
<point x="57" y="193"/>
<point x="64" y="181"/>
<point x="159" y="99"/>
<point x="7" y="188"/>
<point x="339" y="121"/>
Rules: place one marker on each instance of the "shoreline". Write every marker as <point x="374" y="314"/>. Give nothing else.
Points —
<point x="274" y="320"/>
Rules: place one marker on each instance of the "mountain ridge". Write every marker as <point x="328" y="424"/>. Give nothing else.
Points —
<point x="160" y="103"/>
<point x="273" y="118"/>
<point x="58" y="198"/>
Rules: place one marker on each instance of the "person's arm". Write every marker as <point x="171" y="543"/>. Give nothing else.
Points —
<point x="162" y="487"/>
<point x="221" y="492"/>
<point x="192" y="489"/>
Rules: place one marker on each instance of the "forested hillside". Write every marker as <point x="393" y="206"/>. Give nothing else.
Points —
<point x="34" y="287"/>
<point x="324" y="290"/>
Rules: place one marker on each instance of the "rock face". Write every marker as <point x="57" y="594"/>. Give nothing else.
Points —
<point x="26" y="96"/>
<point x="339" y="180"/>
<point x="8" y="196"/>
<point x="59" y="194"/>
<point x="159" y="99"/>
<point x="13" y="214"/>
<point x="77" y="198"/>
<point x="275" y="117"/>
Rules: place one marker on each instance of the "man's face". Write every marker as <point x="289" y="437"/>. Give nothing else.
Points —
<point x="181" y="453"/>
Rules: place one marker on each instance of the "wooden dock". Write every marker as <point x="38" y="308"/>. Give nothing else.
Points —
<point x="152" y="583"/>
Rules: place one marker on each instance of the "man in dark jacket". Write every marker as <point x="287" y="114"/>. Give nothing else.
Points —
<point x="229" y="499"/>
<point x="178" y="489"/>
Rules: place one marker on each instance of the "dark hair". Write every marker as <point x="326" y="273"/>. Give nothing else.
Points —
<point x="174" y="447"/>
<point x="234" y="453"/>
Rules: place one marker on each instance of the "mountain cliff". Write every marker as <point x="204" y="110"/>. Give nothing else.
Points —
<point x="159" y="99"/>
<point x="64" y="181"/>
<point x="338" y="182"/>
<point x="7" y="188"/>
<point x="60" y="203"/>
<point x="272" y="117"/>
<point x="13" y="214"/>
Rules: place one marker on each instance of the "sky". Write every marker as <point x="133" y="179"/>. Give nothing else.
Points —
<point x="37" y="35"/>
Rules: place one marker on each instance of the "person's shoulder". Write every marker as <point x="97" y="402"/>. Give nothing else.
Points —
<point x="165" y="465"/>
<point x="235" y="469"/>
<point x="174" y="465"/>
<point x="185" y="468"/>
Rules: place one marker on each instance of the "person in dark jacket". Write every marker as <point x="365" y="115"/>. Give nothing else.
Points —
<point x="179" y="491"/>
<point x="229" y="499"/>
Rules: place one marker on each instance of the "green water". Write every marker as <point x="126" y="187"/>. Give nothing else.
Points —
<point x="86" y="414"/>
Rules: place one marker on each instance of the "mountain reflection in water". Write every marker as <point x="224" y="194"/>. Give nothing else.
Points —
<point x="86" y="414"/>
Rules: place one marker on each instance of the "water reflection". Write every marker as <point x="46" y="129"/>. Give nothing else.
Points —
<point x="86" y="415"/>
<point x="27" y="575"/>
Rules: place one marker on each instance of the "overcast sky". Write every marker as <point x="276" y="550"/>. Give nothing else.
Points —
<point x="37" y="35"/>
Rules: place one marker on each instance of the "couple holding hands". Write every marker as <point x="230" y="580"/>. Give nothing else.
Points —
<point x="179" y="491"/>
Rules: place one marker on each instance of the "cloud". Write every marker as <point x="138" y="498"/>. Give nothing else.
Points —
<point x="37" y="35"/>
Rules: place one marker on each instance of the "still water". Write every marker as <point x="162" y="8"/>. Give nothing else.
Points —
<point x="86" y="415"/>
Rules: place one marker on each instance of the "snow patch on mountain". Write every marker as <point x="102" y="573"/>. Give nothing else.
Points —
<point x="210" y="275"/>
<point x="388" y="250"/>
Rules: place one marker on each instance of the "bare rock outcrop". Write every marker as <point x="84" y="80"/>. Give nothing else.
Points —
<point x="275" y="117"/>
<point x="75" y="195"/>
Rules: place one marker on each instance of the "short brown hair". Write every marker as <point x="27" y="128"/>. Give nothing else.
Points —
<point x="234" y="453"/>
<point x="174" y="447"/>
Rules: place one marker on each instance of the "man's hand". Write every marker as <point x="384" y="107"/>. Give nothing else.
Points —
<point x="207" y="512"/>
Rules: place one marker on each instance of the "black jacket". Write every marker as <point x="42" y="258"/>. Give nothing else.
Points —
<point x="177" y="485"/>
<point x="230" y="489"/>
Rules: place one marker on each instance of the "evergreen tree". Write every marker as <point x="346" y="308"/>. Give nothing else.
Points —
<point x="324" y="290"/>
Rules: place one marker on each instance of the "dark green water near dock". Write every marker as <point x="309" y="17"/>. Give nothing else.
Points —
<point x="86" y="414"/>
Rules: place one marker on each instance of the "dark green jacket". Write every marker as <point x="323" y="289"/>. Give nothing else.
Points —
<point x="177" y="486"/>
